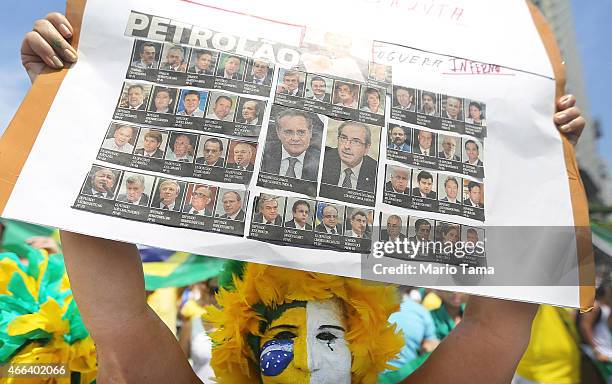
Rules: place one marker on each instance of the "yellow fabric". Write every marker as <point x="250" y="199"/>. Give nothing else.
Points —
<point x="48" y="319"/>
<point x="552" y="355"/>
<point x="192" y="309"/>
<point x="165" y="268"/>
<point x="163" y="302"/>
<point x="431" y="301"/>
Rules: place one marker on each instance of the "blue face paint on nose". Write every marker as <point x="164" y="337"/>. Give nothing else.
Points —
<point x="275" y="357"/>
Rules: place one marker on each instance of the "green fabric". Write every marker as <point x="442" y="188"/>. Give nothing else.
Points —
<point x="443" y="322"/>
<point x="195" y="269"/>
<point x="394" y="377"/>
<point x="17" y="232"/>
<point x="605" y="368"/>
<point x="231" y="268"/>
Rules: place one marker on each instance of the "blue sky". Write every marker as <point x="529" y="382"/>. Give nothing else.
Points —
<point x="592" y="28"/>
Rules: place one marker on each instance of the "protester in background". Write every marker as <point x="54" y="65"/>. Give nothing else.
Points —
<point x="594" y="328"/>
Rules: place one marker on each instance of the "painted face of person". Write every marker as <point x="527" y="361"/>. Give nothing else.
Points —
<point x="423" y="231"/>
<point x="162" y="101"/>
<point x="451" y="189"/>
<point x="358" y="224"/>
<point x="212" y="152"/>
<point x="122" y="136"/>
<point x="294" y="134"/>
<point x="168" y="192"/>
<point x="270" y="210"/>
<point x="148" y="55"/>
<point x="243" y="154"/>
<point x="330" y="216"/>
<point x="135" y="97"/>
<point x="475" y="194"/>
<point x="398" y="136"/>
<point x="394" y="226"/>
<point x="222" y="108"/>
<point x="300" y="215"/>
<point x="307" y="345"/>
<point x="425" y="139"/>
<point x="318" y="88"/>
<point x="425" y="185"/>
<point x="181" y="145"/>
<point x="352" y="145"/>
<point x="399" y="180"/>
<point x="103" y="180"/>
<point x="133" y="192"/>
<point x="150" y="144"/>
<point x="232" y="65"/>
<point x="191" y="102"/>
<point x="249" y="110"/>
<point x="231" y="205"/>
<point x="200" y="198"/>
<point x="403" y="97"/>
<point x="203" y="61"/>
<point x="453" y="106"/>
<point x="174" y="57"/>
<point x="291" y="82"/>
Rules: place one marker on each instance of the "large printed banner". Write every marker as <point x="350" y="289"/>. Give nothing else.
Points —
<point x="399" y="141"/>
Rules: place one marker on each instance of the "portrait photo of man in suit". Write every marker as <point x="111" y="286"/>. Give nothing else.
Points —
<point x="151" y="143"/>
<point x="300" y="210"/>
<point x="452" y="108"/>
<point x="231" y="205"/>
<point x="448" y="145"/>
<point x="358" y="224"/>
<point x="330" y="219"/>
<point x="199" y="203"/>
<point x="221" y="108"/>
<point x="192" y="103"/>
<point x="268" y="210"/>
<point x="121" y="139"/>
<point x="212" y="151"/>
<point x="145" y="54"/>
<point x="472" y="153"/>
<point x="134" y="185"/>
<point x="135" y="96"/>
<point x="101" y="182"/>
<point x="168" y="195"/>
<point x="424" y="143"/>
<point x="399" y="180"/>
<point x="174" y="58"/>
<point x="399" y="138"/>
<point x="428" y="103"/>
<point x="346" y="94"/>
<point x="181" y="147"/>
<point x="292" y="83"/>
<point x="163" y="100"/>
<point x="425" y="182"/>
<point x="230" y="67"/>
<point x="203" y="62"/>
<point x="403" y="98"/>
<point x="451" y="189"/>
<point x="317" y="89"/>
<point x="422" y="231"/>
<point x="473" y="197"/>
<point x="259" y="72"/>
<point x="243" y="154"/>
<point x="349" y="165"/>
<point x="292" y="152"/>
<point x="250" y="111"/>
<point x="393" y="231"/>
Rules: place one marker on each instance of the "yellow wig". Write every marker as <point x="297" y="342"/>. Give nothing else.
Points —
<point x="258" y="288"/>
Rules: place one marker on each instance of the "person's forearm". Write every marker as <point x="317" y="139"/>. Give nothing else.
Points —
<point x="107" y="281"/>
<point x="485" y="347"/>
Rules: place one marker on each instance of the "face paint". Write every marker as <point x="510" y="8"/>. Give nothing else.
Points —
<point x="275" y="357"/>
<point x="307" y="346"/>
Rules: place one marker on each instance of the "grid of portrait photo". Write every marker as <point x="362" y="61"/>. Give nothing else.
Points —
<point x="166" y="201"/>
<point x="425" y="239"/>
<point x="306" y="222"/>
